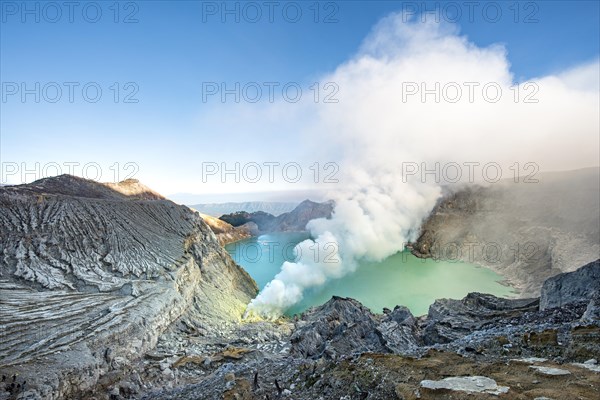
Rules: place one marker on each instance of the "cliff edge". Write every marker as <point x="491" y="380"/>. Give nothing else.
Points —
<point x="92" y="274"/>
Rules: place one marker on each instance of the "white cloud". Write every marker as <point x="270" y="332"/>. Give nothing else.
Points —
<point x="373" y="130"/>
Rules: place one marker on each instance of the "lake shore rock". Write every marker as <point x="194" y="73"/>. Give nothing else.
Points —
<point x="116" y="293"/>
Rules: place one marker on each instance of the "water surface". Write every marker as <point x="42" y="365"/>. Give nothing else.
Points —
<point x="400" y="279"/>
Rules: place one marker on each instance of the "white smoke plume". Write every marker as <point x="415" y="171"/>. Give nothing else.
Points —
<point x="376" y="127"/>
<point x="371" y="223"/>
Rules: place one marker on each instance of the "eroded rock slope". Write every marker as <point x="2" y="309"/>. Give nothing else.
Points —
<point x="92" y="273"/>
<point x="526" y="231"/>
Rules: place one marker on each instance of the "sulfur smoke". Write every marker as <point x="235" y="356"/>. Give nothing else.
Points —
<point x="378" y="127"/>
<point x="371" y="223"/>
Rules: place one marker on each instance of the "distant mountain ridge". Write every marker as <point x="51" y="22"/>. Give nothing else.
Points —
<point x="218" y="209"/>
<point x="294" y="220"/>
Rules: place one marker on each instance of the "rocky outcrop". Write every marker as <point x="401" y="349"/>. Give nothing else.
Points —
<point x="573" y="287"/>
<point x="227" y="233"/>
<point x="293" y="221"/>
<point x="449" y="319"/>
<point x="263" y="221"/>
<point x="592" y="311"/>
<point x="93" y="274"/>
<point x="467" y="384"/>
<point x="340" y="326"/>
<point x="345" y="326"/>
<point x="525" y="231"/>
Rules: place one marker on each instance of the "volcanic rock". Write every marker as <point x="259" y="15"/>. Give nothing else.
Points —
<point x="92" y="274"/>
<point x="340" y="326"/>
<point x="226" y="233"/>
<point x="573" y="287"/>
<point x="449" y="319"/>
<point x="528" y="231"/>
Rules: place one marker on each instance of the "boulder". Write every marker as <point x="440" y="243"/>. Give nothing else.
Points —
<point x="469" y="384"/>
<point x="449" y="319"/>
<point x="571" y="287"/>
<point x="340" y="326"/>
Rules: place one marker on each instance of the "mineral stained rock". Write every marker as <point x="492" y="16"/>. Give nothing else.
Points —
<point x="91" y="274"/>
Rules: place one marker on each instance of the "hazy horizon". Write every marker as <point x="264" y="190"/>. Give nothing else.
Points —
<point x="164" y="127"/>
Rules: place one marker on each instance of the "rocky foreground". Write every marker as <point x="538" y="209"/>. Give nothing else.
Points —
<point x="113" y="292"/>
<point x="479" y="347"/>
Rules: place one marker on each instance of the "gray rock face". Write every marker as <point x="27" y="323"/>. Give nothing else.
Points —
<point x="527" y="232"/>
<point x="449" y="320"/>
<point x="573" y="287"/>
<point x="592" y="312"/>
<point x="399" y="331"/>
<point x="92" y="274"/>
<point x="341" y="326"/>
<point x="344" y="326"/>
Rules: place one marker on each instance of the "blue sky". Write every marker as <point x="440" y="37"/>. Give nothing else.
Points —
<point x="176" y="46"/>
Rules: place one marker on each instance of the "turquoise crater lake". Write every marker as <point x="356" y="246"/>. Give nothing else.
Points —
<point x="401" y="279"/>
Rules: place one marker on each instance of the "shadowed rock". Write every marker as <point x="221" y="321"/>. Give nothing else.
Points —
<point x="450" y="319"/>
<point x="344" y="326"/>
<point x="573" y="287"/>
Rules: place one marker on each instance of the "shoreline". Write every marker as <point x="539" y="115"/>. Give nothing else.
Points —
<point x="501" y="286"/>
